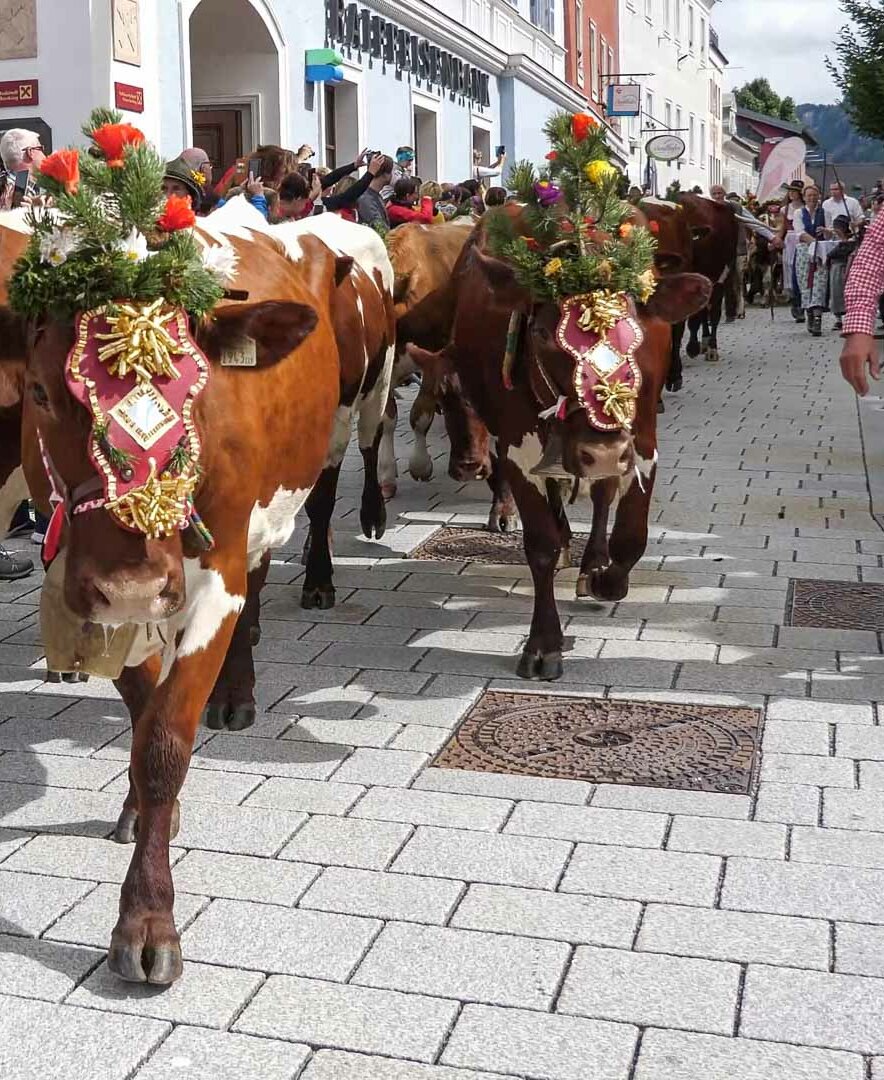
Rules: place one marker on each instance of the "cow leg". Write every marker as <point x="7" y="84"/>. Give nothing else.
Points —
<point x="503" y="516"/>
<point x="693" y="347"/>
<point x="541" y="658"/>
<point x="420" y="464"/>
<point x="387" y="470"/>
<point x="629" y="537"/>
<point x="596" y="555"/>
<point x="144" y="945"/>
<point x="373" y="511"/>
<point x="554" y="494"/>
<point x="714" y="314"/>
<point x="675" y="378"/>
<point x="135" y="686"/>
<point x="318" y="590"/>
<point x="232" y="701"/>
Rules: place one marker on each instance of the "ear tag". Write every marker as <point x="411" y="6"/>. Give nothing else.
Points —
<point x="243" y="353"/>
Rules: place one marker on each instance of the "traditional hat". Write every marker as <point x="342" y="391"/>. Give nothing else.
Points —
<point x="797" y="185"/>
<point x="185" y="174"/>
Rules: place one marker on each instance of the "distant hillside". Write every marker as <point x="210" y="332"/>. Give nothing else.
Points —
<point x="832" y="127"/>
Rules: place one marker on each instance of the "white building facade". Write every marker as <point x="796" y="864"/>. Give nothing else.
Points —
<point x="667" y="47"/>
<point x="444" y="76"/>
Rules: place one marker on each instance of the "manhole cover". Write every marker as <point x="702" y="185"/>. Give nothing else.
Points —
<point x="653" y="744"/>
<point x="839" y="605"/>
<point x="457" y="544"/>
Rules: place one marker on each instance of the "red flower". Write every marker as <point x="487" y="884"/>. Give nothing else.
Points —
<point x="581" y="125"/>
<point x="589" y="220"/>
<point x="532" y="243"/>
<point x="553" y="155"/>
<point x="64" y="167"/>
<point x="567" y="226"/>
<point x="177" y="215"/>
<point x="112" y="140"/>
<point x="654" y="226"/>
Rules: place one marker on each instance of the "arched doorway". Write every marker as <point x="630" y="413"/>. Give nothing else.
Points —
<point x="237" y="78"/>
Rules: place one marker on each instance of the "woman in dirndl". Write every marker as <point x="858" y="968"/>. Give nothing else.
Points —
<point x="810" y="224"/>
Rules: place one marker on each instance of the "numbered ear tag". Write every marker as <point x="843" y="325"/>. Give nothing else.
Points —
<point x="243" y="353"/>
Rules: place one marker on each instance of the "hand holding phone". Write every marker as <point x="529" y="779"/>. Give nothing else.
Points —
<point x="501" y="151"/>
<point x="22" y="179"/>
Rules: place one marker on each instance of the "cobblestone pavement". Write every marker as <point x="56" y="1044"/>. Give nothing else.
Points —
<point x="351" y="913"/>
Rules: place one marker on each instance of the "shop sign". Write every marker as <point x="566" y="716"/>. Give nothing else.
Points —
<point x="17" y="92"/>
<point x="323" y="65"/>
<point x="625" y="100"/>
<point x="358" y="28"/>
<point x="665" y="147"/>
<point x="128" y="97"/>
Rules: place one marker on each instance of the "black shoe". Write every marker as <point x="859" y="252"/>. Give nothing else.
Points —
<point x="797" y="313"/>
<point x="839" y="325"/>
<point x="12" y="567"/>
<point x="815" y="322"/>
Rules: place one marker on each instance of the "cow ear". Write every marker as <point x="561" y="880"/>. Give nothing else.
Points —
<point x="506" y="292"/>
<point x="436" y="367"/>
<point x="277" y="328"/>
<point x="678" y="296"/>
<point x="343" y="266"/>
<point x="13" y="337"/>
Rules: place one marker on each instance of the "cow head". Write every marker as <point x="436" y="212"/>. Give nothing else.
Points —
<point x="116" y="574"/>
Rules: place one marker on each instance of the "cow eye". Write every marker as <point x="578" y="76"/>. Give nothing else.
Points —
<point x="38" y="393"/>
<point x="541" y="332"/>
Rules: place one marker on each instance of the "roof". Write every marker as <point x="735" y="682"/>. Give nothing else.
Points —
<point x="774" y="121"/>
<point x="714" y="44"/>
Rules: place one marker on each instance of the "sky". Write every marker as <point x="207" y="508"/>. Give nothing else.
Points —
<point x="781" y="40"/>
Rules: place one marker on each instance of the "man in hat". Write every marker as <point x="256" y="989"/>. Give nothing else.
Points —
<point x="183" y="180"/>
<point x="201" y="166"/>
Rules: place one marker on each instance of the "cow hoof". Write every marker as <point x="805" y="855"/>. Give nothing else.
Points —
<point x="421" y="470"/>
<point x="564" y="559"/>
<point x="388" y="490"/>
<point x="137" y="961"/>
<point x="675" y="384"/>
<point x="241" y="717"/>
<point x="540" y="667"/>
<point x="373" y="519"/>
<point x="215" y="716"/>
<point x="318" y="597"/>
<point x="692" y="349"/>
<point x="254" y="636"/>
<point x="127" y="826"/>
<point x="712" y="356"/>
<point x="607" y="586"/>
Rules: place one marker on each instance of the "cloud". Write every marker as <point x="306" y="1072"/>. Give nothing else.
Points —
<point x="783" y="41"/>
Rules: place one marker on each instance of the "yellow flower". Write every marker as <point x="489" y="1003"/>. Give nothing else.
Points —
<point x="605" y="270"/>
<point x="647" y="286"/>
<point x="553" y="267"/>
<point x="597" y="171"/>
<point x="200" y="177"/>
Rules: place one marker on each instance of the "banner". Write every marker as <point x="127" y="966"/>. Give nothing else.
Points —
<point x="783" y="161"/>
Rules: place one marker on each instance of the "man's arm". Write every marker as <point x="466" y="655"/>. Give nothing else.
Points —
<point x="865" y="283"/>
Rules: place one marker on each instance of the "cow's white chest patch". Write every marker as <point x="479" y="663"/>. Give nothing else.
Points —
<point x="208" y="605"/>
<point x="270" y="526"/>
<point x="526" y="456"/>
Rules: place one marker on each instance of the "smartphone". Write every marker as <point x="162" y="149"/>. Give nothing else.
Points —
<point x="306" y="171"/>
<point x="254" y="167"/>
<point x="21" y="187"/>
<point x="500" y="151"/>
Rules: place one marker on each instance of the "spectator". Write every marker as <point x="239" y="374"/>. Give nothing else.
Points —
<point x="371" y="208"/>
<point x="344" y="185"/>
<point x="182" y="180"/>
<point x="842" y="205"/>
<point x="404" y="167"/>
<point x="198" y="162"/>
<point x="433" y="191"/>
<point x="296" y="197"/>
<point x="20" y="150"/>
<point x="839" y="262"/>
<point x="402" y="207"/>
<point x="495" y="196"/>
<point x="348" y="198"/>
<point x="483" y="172"/>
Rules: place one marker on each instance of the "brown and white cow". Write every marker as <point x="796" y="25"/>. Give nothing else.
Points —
<point x="265" y="435"/>
<point x="471" y="367"/>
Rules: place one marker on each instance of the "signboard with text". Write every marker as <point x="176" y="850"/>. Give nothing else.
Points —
<point x="624" y="100"/>
<point x="129" y="98"/>
<point x="17" y="92"/>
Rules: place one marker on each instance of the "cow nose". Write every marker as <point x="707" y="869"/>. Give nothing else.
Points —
<point x="134" y="599"/>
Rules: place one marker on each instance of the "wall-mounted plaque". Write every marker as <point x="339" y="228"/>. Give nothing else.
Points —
<point x="127" y="32"/>
<point x="18" y="30"/>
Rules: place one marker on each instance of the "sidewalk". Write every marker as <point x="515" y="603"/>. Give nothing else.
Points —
<point x="350" y="912"/>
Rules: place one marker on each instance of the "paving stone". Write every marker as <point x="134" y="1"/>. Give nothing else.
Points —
<point x="56" y="1042"/>
<point x="838" y="847"/>
<point x="240" y="830"/>
<point x="91" y="921"/>
<point x="587" y="920"/>
<point x="735" y="935"/>
<point x="500" y="785"/>
<point x="337" y="1065"/>
<point x="540" y="1045"/>
<point x="695" y="676"/>
<point x="810" y="769"/>
<point x="863" y="810"/>
<point x="812" y="637"/>
<point x="197" y="1053"/>
<point x="667" y="801"/>
<point x="790" y="803"/>
<point x="723" y="633"/>
<point x="443" y="713"/>
<point x="651" y="990"/>
<point x="859" y="950"/>
<point x="859" y="742"/>
<point x="11" y="840"/>
<point x="390" y="768"/>
<point x="490" y="858"/>
<point x="871" y="775"/>
<point x="643" y="874"/>
<point x="281" y="940"/>
<point x="355" y="732"/>
<point x="62" y="856"/>
<point x="42" y="969"/>
<point x="589" y="823"/>
<point x="822" y="892"/>
<point x="368" y="845"/>
<point x="240" y="753"/>
<point x="496" y="969"/>
<point x="796" y="737"/>
<point x="831" y="686"/>
<point x="205" y="996"/>
<point x="74" y="738"/>
<point x="755" y="839"/>
<point x="242" y="877"/>
<point x="383" y="896"/>
<point x="53" y="770"/>
<point x="676" y="1055"/>
<point x="433" y="808"/>
<point x="657" y="650"/>
<point x="839" y="1012"/>
<point x="350" y="1017"/>
<point x="422" y="737"/>
<point x="311" y="796"/>
<point x="29" y="903"/>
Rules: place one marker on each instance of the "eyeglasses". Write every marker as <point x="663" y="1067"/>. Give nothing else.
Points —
<point x="30" y="149"/>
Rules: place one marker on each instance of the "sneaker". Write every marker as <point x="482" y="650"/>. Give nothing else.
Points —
<point x="12" y="567"/>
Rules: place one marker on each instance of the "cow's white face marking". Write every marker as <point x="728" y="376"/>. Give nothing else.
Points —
<point x="526" y="456"/>
<point x="270" y="526"/>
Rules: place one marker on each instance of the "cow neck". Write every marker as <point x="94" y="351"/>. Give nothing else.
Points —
<point x="555" y="402"/>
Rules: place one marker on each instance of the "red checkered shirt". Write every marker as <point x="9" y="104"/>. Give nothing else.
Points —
<point x="865" y="283"/>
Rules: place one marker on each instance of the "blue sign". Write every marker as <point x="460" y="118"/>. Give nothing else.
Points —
<point x="324" y="73"/>
<point x="624" y="100"/>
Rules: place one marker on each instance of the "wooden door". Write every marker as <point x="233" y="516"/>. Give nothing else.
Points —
<point x="219" y="133"/>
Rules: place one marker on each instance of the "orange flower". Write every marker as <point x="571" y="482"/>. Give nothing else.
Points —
<point x="64" y="167"/>
<point x="112" y="140"/>
<point x="581" y="125"/>
<point x="654" y="226"/>
<point x="625" y="230"/>
<point x="177" y="215"/>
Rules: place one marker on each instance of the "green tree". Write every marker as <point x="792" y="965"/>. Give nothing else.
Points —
<point x="759" y="96"/>
<point x="858" y="69"/>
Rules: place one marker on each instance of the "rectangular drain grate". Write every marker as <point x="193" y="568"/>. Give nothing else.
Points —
<point x="652" y="744"/>
<point x="835" y="605"/>
<point x="459" y="544"/>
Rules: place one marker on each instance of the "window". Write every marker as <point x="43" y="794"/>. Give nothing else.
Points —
<point x="593" y="62"/>
<point x="649" y="111"/>
<point x="667" y="114"/>
<point x="691" y="138"/>
<point x="678" y="20"/>
<point x="578" y="41"/>
<point x="649" y="10"/>
<point x="702" y="144"/>
<point x="690" y="28"/>
<point x="603" y="67"/>
<point x="543" y="15"/>
<point x="679" y="126"/>
<point x="703" y="39"/>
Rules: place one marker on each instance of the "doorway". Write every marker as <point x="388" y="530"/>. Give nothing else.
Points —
<point x="219" y="132"/>
<point x="426" y="164"/>
<point x="341" y="123"/>
<point x="481" y="148"/>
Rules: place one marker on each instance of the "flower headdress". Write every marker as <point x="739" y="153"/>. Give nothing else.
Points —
<point x="579" y="234"/>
